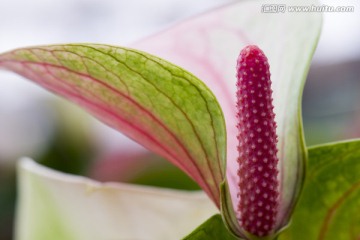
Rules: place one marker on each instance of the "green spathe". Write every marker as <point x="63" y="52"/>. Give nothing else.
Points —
<point x="158" y="104"/>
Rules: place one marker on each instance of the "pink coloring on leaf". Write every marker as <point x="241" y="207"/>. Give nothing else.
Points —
<point x="258" y="185"/>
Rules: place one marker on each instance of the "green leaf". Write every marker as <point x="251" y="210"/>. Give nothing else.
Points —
<point x="213" y="228"/>
<point x="160" y="105"/>
<point x="209" y="45"/>
<point x="329" y="206"/>
<point x="57" y="206"/>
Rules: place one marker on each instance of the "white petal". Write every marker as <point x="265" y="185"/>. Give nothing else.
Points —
<point x="53" y="205"/>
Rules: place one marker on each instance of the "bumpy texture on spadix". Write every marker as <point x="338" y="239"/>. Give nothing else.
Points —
<point x="258" y="184"/>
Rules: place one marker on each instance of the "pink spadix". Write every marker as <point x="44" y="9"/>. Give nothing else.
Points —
<point x="258" y="185"/>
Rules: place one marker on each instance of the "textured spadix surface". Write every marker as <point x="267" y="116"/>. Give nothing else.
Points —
<point x="58" y="206"/>
<point x="259" y="185"/>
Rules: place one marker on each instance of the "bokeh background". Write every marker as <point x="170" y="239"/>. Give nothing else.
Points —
<point x="35" y="123"/>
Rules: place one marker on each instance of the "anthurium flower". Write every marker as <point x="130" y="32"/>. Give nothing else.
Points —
<point x="210" y="48"/>
<point x="192" y="122"/>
